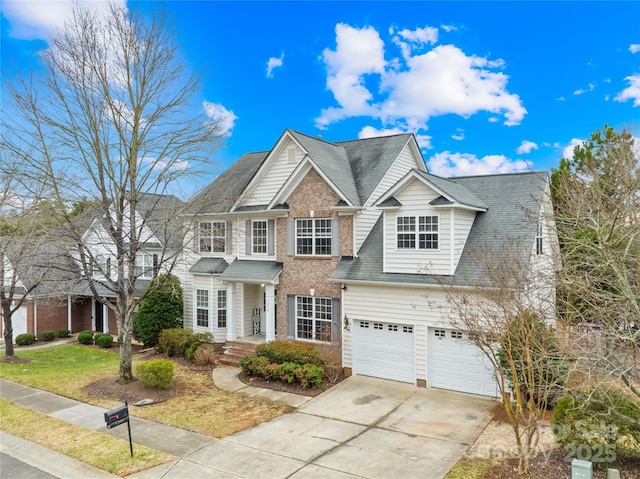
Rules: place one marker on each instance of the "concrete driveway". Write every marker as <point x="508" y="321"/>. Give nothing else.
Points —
<point x="364" y="427"/>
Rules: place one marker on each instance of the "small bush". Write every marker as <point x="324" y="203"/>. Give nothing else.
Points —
<point x="25" y="339"/>
<point x="182" y="342"/>
<point x="584" y="425"/>
<point x="307" y="375"/>
<point x="206" y="354"/>
<point x="289" y="352"/>
<point x="310" y="376"/>
<point x="48" y="335"/>
<point x="253" y="365"/>
<point x="85" y="337"/>
<point x="156" y="374"/>
<point x="64" y="333"/>
<point x="104" y="340"/>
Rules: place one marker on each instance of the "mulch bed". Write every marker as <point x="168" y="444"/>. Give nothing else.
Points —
<point x="289" y="388"/>
<point x="556" y="466"/>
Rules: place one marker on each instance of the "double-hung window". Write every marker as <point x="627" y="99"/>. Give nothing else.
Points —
<point x="202" y="308"/>
<point x="259" y="237"/>
<point x="313" y="318"/>
<point x="146" y="265"/>
<point x="417" y="232"/>
<point x="313" y="236"/>
<point x="222" y="308"/>
<point x="212" y="236"/>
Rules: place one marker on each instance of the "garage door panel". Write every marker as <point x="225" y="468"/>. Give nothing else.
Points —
<point x="384" y="350"/>
<point x="457" y="364"/>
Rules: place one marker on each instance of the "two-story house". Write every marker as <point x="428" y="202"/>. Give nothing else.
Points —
<point x="342" y="243"/>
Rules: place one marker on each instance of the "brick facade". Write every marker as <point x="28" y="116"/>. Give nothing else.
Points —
<point x="300" y="274"/>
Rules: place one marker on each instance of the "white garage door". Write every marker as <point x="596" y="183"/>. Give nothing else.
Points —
<point x="18" y="322"/>
<point x="384" y="350"/>
<point x="455" y="363"/>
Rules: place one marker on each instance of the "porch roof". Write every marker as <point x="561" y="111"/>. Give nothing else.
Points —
<point x="251" y="271"/>
<point x="209" y="266"/>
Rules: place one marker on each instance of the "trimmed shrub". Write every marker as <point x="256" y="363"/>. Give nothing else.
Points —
<point x="182" y="342"/>
<point x="585" y="426"/>
<point x="64" y="333"/>
<point x="161" y="309"/>
<point x="85" y="337"/>
<point x="25" y="339"/>
<point x="289" y="352"/>
<point x="307" y="375"/>
<point x="206" y="354"/>
<point x="104" y="340"/>
<point x="48" y="335"/>
<point x="155" y="374"/>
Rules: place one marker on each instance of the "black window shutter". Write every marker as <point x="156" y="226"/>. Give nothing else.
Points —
<point x="229" y="237"/>
<point x="335" y="236"/>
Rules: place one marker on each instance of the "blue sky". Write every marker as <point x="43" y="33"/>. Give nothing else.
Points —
<point x="485" y="86"/>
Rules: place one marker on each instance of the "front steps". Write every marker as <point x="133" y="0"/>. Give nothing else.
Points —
<point x="236" y="351"/>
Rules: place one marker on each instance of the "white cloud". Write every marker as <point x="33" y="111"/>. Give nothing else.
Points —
<point x="411" y="40"/>
<point x="526" y="147"/>
<point x="632" y="92"/>
<point x="448" y="28"/>
<point x="29" y="20"/>
<point x="273" y="63"/>
<point x="561" y="98"/>
<point x="567" y="152"/>
<point x="581" y="91"/>
<point x="424" y="141"/>
<point x="634" y="47"/>
<point x="223" y="120"/>
<point x="459" y="135"/>
<point x="449" y="164"/>
<point x="410" y="90"/>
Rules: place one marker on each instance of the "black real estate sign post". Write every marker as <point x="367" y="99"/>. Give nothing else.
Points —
<point x="118" y="416"/>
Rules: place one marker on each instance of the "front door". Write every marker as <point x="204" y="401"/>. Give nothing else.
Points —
<point x="99" y="315"/>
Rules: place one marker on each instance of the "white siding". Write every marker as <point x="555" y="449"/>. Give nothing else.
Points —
<point x="415" y="198"/>
<point x="363" y="222"/>
<point x="418" y="307"/>
<point x="279" y="169"/>
<point x="463" y="221"/>
<point x="212" y="285"/>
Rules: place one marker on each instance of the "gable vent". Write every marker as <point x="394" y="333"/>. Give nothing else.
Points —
<point x="292" y="154"/>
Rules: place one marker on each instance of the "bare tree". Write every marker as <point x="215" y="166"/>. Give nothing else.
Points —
<point x="508" y="319"/>
<point x="110" y="119"/>
<point x="597" y="203"/>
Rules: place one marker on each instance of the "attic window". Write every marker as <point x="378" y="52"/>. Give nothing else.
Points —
<point x="426" y="236"/>
<point x="539" y="243"/>
<point x="292" y="155"/>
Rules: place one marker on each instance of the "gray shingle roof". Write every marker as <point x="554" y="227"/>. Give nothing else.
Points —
<point x="355" y="167"/>
<point x="220" y="195"/>
<point x="249" y="271"/>
<point x="513" y="202"/>
<point x="453" y="189"/>
<point x="209" y="266"/>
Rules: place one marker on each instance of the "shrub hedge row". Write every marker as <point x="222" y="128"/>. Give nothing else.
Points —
<point x="25" y="339"/>
<point x="182" y="342"/>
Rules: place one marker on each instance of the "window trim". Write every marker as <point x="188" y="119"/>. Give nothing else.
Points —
<point x="316" y="310"/>
<point x="143" y="270"/>
<point x="414" y="235"/>
<point x="201" y="306"/>
<point x="222" y="293"/>
<point x="315" y="236"/>
<point x="264" y="238"/>
<point x="217" y="242"/>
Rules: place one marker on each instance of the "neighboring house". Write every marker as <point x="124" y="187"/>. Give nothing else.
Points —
<point x="47" y="276"/>
<point x="38" y="275"/>
<point x="345" y="244"/>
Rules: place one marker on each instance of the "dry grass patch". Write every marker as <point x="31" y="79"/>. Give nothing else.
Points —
<point x="202" y="408"/>
<point x="105" y="452"/>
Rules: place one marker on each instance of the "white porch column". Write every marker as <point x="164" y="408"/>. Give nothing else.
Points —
<point x="270" y="308"/>
<point x="69" y="312"/>
<point x="231" y="316"/>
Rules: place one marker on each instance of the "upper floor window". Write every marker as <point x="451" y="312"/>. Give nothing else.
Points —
<point x="259" y="237"/>
<point x="313" y="236"/>
<point x="313" y="318"/>
<point x="146" y="265"/>
<point x="212" y="236"/>
<point x="417" y="232"/>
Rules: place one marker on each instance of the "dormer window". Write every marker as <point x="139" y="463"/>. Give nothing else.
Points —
<point x="417" y="232"/>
